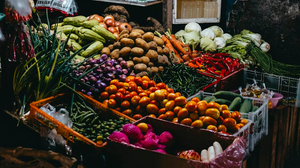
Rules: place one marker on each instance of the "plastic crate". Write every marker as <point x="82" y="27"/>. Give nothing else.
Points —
<point x="259" y="119"/>
<point x="39" y="118"/>
<point x="286" y="86"/>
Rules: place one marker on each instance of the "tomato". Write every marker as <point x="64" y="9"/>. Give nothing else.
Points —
<point x="151" y="83"/>
<point x="127" y="112"/>
<point x="125" y="105"/>
<point x="120" y="85"/>
<point x="155" y="102"/>
<point x="236" y="115"/>
<point x="213" y="112"/>
<point x="137" y="116"/>
<point x="191" y="106"/>
<point x="119" y="97"/>
<point x="159" y="95"/>
<point x="194" y="115"/>
<point x="186" y="121"/>
<point x="104" y="96"/>
<point x="129" y="79"/>
<point x="180" y="101"/>
<point x="222" y="128"/>
<point x="162" y="116"/>
<point x="133" y="93"/>
<point x="112" y="89"/>
<point x="163" y="103"/>
<point x="132" y="86"/>
<point x="145" y="85"/>
<point x="175" y="120"/>
<point x="201" y="118"/>
<point x="170" y="105"/>
<point x="152" y="108"/>
<point x="143" y="94"/>
<point x="139" y="89"/>
<point x="170" y="90"/>
<point x="138" y="80"/>
<point x="209" y="121"/>
<point x="118" y="109"/>
<point x="139" y="109"/>
<point x="202" y="107"/>
<point x="183" y="113"/>
<point x="148" y="92"/>
<point x="165" y="92"/>
<point x="122" y="90"/>
<point x="105" y="102"/>
<point x="213" y="105"/>
<point x="223" y="107"/>
<point x="127" y="97"/>
<point x="152" y="96"/>
<point x="229" y="123"/>
<point x="144" y="101"/>
<point x="171" y="96"/>
<point x="212" y="127"/>
<point x="153" y="89"/>
<point x="170" y="115"/>
<point x="112" y="96"/>
<point x="177" y="109"/>
<point x="178" y="93"/>
<point x="162" y="111"/>
<point x="152" y="115"/>
<point x="135" y="100"/>
<point x="220" y="120"/>
<point x="145" y="78"/>
<point x="161" y="85"/>
<point x="126" y="86"/>
<point x="195" y="99"/>
<point x="226" y="114"/>
<point x="197" y="124"/>
<point x="240" y="125"/>
<point x="244" y="121"/>
<point x="114" y="82"/>
<point x="112" y="103"/>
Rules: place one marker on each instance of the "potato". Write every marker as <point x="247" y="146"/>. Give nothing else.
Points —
<point x="137" y="60"/>
<point x="142" y="43"/>
<point x="127" y="42"/>
<point x="145" y="60"/>
<point x="160" y="68"/>
<point x="130" y="64"/>
<point x="159" y="50"/>
<point x="152" y="54"/>
<point x="166" y="51"/>
<point x="151" y="64"/>
<point x="153" y="45"/>
<point x="137" y="51"/>
<point x="111" y="47"/>
<point x="158" y="41"/>
<point x="148" y="36"/>
<point x="163" y="60"/>
<point x="149" y="69"/>
<point x="141" y="74"/>
<point x="125" y="51"/>
<point x="115" y="54"/>
<point x="125" y="31"/>
<point x="154" y="70"/>
<point x="139" y="31"/>
<point x="105" y="50"/>
<point x="124" y="36"/>
<point x="117" y="45"/>
<point x="134" y="35"/>
<point x="140" y="67"/>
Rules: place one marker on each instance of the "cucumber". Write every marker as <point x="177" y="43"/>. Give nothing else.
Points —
<point x="223" y="101"/>
<point x="212" y="100"/>
<point x="227" y="95"/>
<point x="235" y="103"/>
<point x="254" y="108"/>
<point x="209" y="98"/>
<point x="200" y="96"/>
<point x="246" y="106"/>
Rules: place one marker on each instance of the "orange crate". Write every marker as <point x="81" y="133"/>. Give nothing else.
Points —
<point x="40" y="118"/>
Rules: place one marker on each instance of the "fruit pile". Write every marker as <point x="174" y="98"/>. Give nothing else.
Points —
<point x="140" y="96"/>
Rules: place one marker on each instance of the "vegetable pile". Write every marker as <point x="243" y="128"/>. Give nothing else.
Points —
<point x="183" y="79"/>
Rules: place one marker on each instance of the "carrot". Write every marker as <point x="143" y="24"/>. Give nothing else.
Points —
<point x="194" y="54"/>
<point x="181" y="43"/>
<point x="186" y="57"/>
<point x="192" y="65"/>
<point x="177" y="44"/>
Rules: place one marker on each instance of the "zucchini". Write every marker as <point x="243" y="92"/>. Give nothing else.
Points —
<point x="227" y="95"/>
<point x="246" y="106"/>
<point x="223" y="101"/>
<point x="254" y="108"/>
<point x="235" y="103"/>
<point x="209" y="98"/>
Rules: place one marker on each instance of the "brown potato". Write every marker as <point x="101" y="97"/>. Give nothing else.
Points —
<point x="153" y="45"/>
<point x="145" y="60"/>
<point x="137" y="51"/>
<point x="117" y="45"/>
<point x="142" y="43"/>
<point x="111" y="47"/>
<point x="159" y="50"/>
<point x="154" y="70"/>
<point x="105" y="50"/>
<point x="130" y="64"/>
<point x="125" y="51"/>
<point x="115" y="54"/>
<point x="139" y="31"/>
<point x="125" y="31"/>
<point x="151" y="64"/>
<point x="160" y="68"/>
<point x="134" y="35"/>
<point x="137" y="60"/>
<point x="148" y="36"/>
<point x="152" y="54"/>
<point x="140" y="67"/>
<point x="166" y="51"/>
<point x="124" y="36"/>
<point x="158" y="41"/>
<point x="127" y="42"/>
<point x="141" y="74"/>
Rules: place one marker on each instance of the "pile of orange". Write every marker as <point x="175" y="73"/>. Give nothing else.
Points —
<point x="140" y="96"/>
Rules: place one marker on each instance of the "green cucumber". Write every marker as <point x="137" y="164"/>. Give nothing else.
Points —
<point x="212" y="100"/>
<point x="235" y="104"/>
<point x="200" y="96"/>
<point x="227" y="95"/>
<point x="209" y="98"/>
<point x="246" y="106"/>
<point x="223" y="101"/>
<point x="254" y="108"/>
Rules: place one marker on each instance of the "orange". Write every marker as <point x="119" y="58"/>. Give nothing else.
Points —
<point x="137" y="116"/>
<point x="135" y="100"/>
<point x="162" y="111"/>
<point x="152" y="115"/>
<point x="209" y="121"/>
<point x="170" y="105"/>
<point x="143" y="127"/>
<point x="222" y="128"/>
<point x="226" y="114"/>
<point x="125" y="105"/>
<point x="170" y="115"/>
<point x="114" y="82"/>
<point x="175" y="120"/>
<point x="191" y="106"/>
<point x="159" y="95"/>
<point x="186" y="121"/>
<point x="229" y="123"/>
<point x="201" y="107"/>
<point x="236" y="115"/>
<point x="213" y="105"/>
<point x="197" y="124"/>
<point x="144" y="101"/>
<point x="195" y="99"/>
<point x="171" y="96"/>
<point x="212" y="127"/>
<point x="244" y="121"/>
<point x="177" y="109"/>
<point x="194" y="115"/>
<point x="183" y="113"/>
<point x="112" y="103"/>
<point x="152" y="108"/>
<point x="180" y="101"/>
<point x="213" y="112"/>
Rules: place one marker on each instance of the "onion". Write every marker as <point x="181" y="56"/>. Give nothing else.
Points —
<point x="107" y="69"/>
<point x="86" y="78"/>
<point x="96" y="90"/>
<point x="103" y="66"/>
<point x="125" y="71"/>
<point x="88" y="82"/>
<point x="98" y="81"/>
<point x="96" y="17"/>
<point x="103" y="25"/>
<point x="88" y="66"/>
<point x="101" y="75"/>
<point x="107" y="80"/>
<point x="123" y="64"/>
<point x="119" y="71"/>
<point x="120" y="59"/>
<point x="117" y="23"/>
<point x="92" y="61"/>
<point x="99" y="85"/>
<point x="118" y="66"/>
<point x="99" y="61"/>
<point x="112" y="30"/>
<point x="99" y="71"/>
<point x="132" y="74"/>
<point x="82" y="67"/>
<point x="89" y="93"/>
<point x="117" y="36"/>
<point x="82" y="80"/>
<point x="104" y="57"/>
<point x="104" y="85"/>
<point x="122" y="77"/>
<point x="115" y="62"/>
<point x="110" y="75"/>
<point x="109" y="63"/>
<point x="124" y="26"/>
<point x="80" y="71"/>
<point x="113" y="68"/>
<point x="94" y="79"/>
<point x="83" y="91"/>
<point x="109" y="17"/>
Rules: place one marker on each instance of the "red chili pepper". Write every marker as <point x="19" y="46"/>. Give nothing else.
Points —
<point x="222" y="54"/>
<point x="228" y="65"/>
<point x="227" y="73"/>
<point x="223" y="72"/>
<point x="219" y="65"/>
<point x="209" y="70"/>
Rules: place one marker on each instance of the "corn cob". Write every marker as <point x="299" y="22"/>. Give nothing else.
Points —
<point x="93" y="48"/>
<point x="104" y="33"/>
<point x="90" y="23"/>
<point x="87" y="34"/>
<point x="75" y="21"/>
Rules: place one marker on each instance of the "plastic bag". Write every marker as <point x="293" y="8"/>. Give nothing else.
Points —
<point x="43" y="4"/>
<point x="17" y="10"/>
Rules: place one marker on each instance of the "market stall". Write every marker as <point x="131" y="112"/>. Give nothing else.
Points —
<point x="108" y="87"/>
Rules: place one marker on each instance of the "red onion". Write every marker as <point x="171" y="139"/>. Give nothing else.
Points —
<point x="99" y="61"/>
<point x="83" y="91"/>
<point x="119" y="71"/>
<point x="120" y="59"/>
<point x="103" y="66"/>
<point x="104" y="85"/>
<point x="86" y="78"/>
<point x="125" y="71"/>
<point x="118" y="66"/>
<point x="82" y="80"/>
<point x="123" y="64"/>
<point x="94" y="79"/>
<point x="99" y="71"/>
<point x="132" y="74"/>
<point x="122" y="77"/>
<point x="89" y="93"/>
<point x="88" y="66"/>
<point x="82" y="67"/>
<point x="107" y="80"/>
<point x="110" y="75"/>
<point x="92" y="61"/>
<point x="104" y="57"/>
<point x="107" y="69"/>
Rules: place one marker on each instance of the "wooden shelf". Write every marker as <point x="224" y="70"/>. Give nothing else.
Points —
<point x="142" y="4"/>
